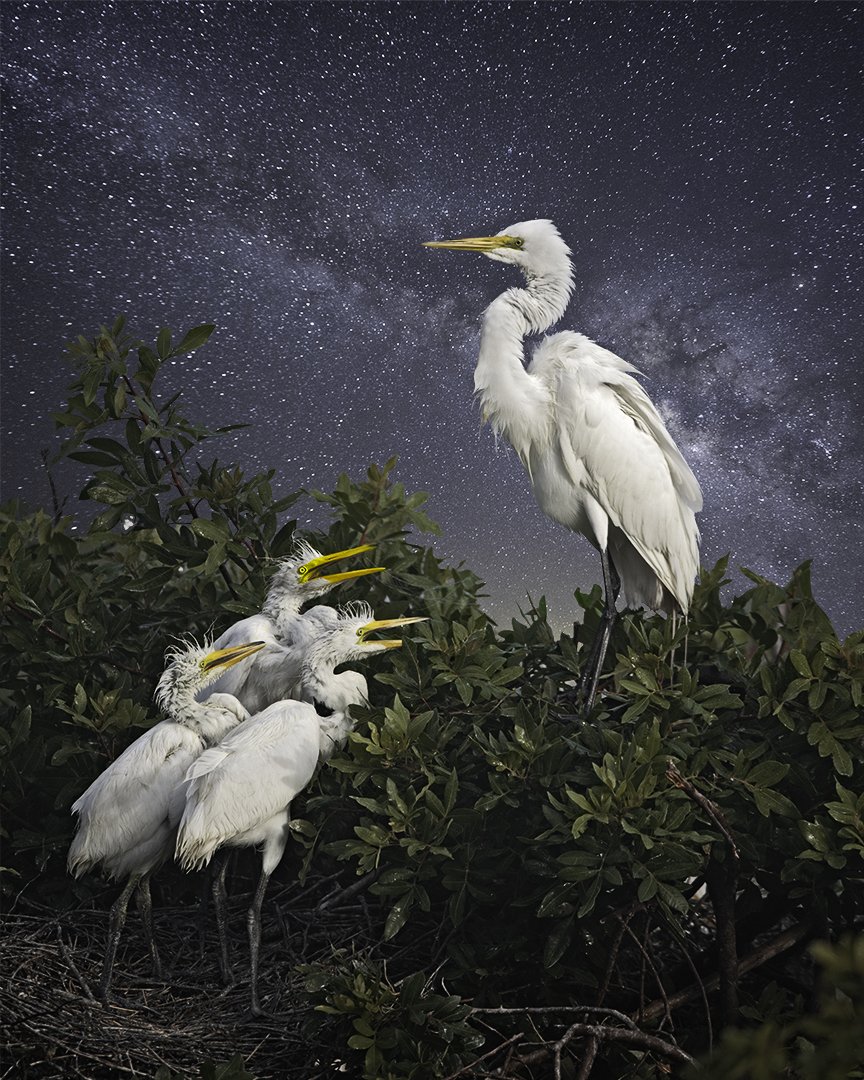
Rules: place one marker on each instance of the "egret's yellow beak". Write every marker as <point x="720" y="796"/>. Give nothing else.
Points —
<point x="385" y="624"/>
<point x="314" y="568"/>
<point x="478" y="243"/>
<point x="225" y="658"/>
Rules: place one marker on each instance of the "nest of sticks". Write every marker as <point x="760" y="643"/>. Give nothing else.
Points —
<point x="54" y="1027"/>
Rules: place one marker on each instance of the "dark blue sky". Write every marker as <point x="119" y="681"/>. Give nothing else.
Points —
<point x="273" y="168"/>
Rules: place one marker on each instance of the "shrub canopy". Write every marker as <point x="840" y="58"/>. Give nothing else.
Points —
<point x="659" y="865"/>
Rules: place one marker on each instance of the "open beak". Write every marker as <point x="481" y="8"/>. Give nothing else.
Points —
<point x="225" y="658"/>
<point x="315" y="568"/>
<point x="386" y="624"/>
<point x="477" y="243"/>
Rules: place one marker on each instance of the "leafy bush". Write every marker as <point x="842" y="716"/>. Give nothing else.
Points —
<point x="662" y="862"/>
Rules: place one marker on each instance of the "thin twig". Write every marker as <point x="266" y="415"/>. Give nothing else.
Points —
<point x="501" y="1010"/>
<point x="591" y="1048"/>
<point x="710" y="808"/>
<point x="626" y="1036"/>
<point x="67" y="956"/>
<point x="777" y="945"/>
<point x="348" y="893"/>
<point x="488" y="1054"/>
<point x="647" y="958"/>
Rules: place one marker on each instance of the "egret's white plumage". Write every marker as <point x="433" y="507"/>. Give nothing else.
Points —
<point x="123" y="817"/>
<point x="271" y="673"/>
<point x="239" y="793"/>
<point x="598" y="455"/>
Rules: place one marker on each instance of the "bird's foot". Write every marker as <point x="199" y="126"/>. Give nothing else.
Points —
<point x="256" y="1012"/>
<point x="107" y="997"/>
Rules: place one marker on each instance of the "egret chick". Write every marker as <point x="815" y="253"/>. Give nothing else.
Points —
<point x="123" y="816"/>
<point x="239" y="793"/>
<point x="598" y="456"/>
<point x="305" y="575"/>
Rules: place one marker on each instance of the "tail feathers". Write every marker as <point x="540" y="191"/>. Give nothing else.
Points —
<point x="194" y="852"/>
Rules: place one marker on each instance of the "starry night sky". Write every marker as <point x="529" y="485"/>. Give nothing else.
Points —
<point x="273" y="168"/>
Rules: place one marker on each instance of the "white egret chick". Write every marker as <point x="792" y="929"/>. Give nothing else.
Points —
<point x="305" y="575"/>
<point x="123" y="817"/>
<point x="239" y="793"/>
<point x="598" y="456"/>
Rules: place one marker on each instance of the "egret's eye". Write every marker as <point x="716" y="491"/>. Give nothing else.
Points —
<point x="518" y="241"/>
<point x="302" y="571"/>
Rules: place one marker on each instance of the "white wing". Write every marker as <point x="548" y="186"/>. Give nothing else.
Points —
<point x="253" y="774"/>
<point x="123" y="815"/>
<point x="613" y="446"/>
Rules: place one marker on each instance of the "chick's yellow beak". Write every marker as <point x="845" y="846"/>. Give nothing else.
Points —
<point x="385" y="624"/>
<point x="477" y="243"/>
<point x="314" y="568"/>
<point x="225" y="658"/>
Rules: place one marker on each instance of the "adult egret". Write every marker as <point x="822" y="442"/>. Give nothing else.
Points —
<point x="239" y="793"/>
<point x="305" y="575"/>
<point x="123" y="817"/>
<point x="599" y="458"/>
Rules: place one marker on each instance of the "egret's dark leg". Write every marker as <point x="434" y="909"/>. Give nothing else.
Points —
<point x="220" y="898"/>
<point x="611" y="588"/>
<point x="205" y="885"/>
<point x="145" y="906"/>
<point x="254" y="923"/>
<point x="115" y="928"/>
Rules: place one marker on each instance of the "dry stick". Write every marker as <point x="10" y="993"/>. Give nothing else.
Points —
<point x="710" y="808"/>
<point x="41" y="1033"/>
<point x="647" y="959"/>
<point x="722" y="882"/>
<point x="591" y="1048"/>
<point x="593" y="1045"/>
<point x="55" y="501"/>
<point x="67" y="956"/>
<point x="350" y="891"/>
<point x="488" y="1054"/>
<point x="701" y="987"/>
<point x="760" y="956"/>
<point x="626" y="1036"/>
<point x="503" y="1010"/>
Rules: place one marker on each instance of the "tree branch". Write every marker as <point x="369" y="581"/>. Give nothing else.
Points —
<point x="777" y="945"/>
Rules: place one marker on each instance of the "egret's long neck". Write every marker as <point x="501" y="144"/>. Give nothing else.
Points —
<point x="282" y="605"/>
<point x="319" y="685"/>
<point x="318" y="682"/>
<point x="516" y="403"/>
<point x="210" y="719"/>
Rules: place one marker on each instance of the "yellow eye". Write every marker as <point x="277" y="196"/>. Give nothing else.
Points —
<point x="518" y="241"/>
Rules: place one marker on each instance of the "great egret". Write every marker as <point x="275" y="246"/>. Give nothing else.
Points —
<point x="239" y="793"/>
<point x="304" y="576"/>
<point x="599" y="458"/>
<point x="123" y="817"/>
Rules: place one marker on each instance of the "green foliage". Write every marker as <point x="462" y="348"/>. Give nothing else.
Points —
<point x="518" y="854"/>
<point x="403" y="1031"/>
<point x="211" y="1070"/>
<point x="825" y="1044"/>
